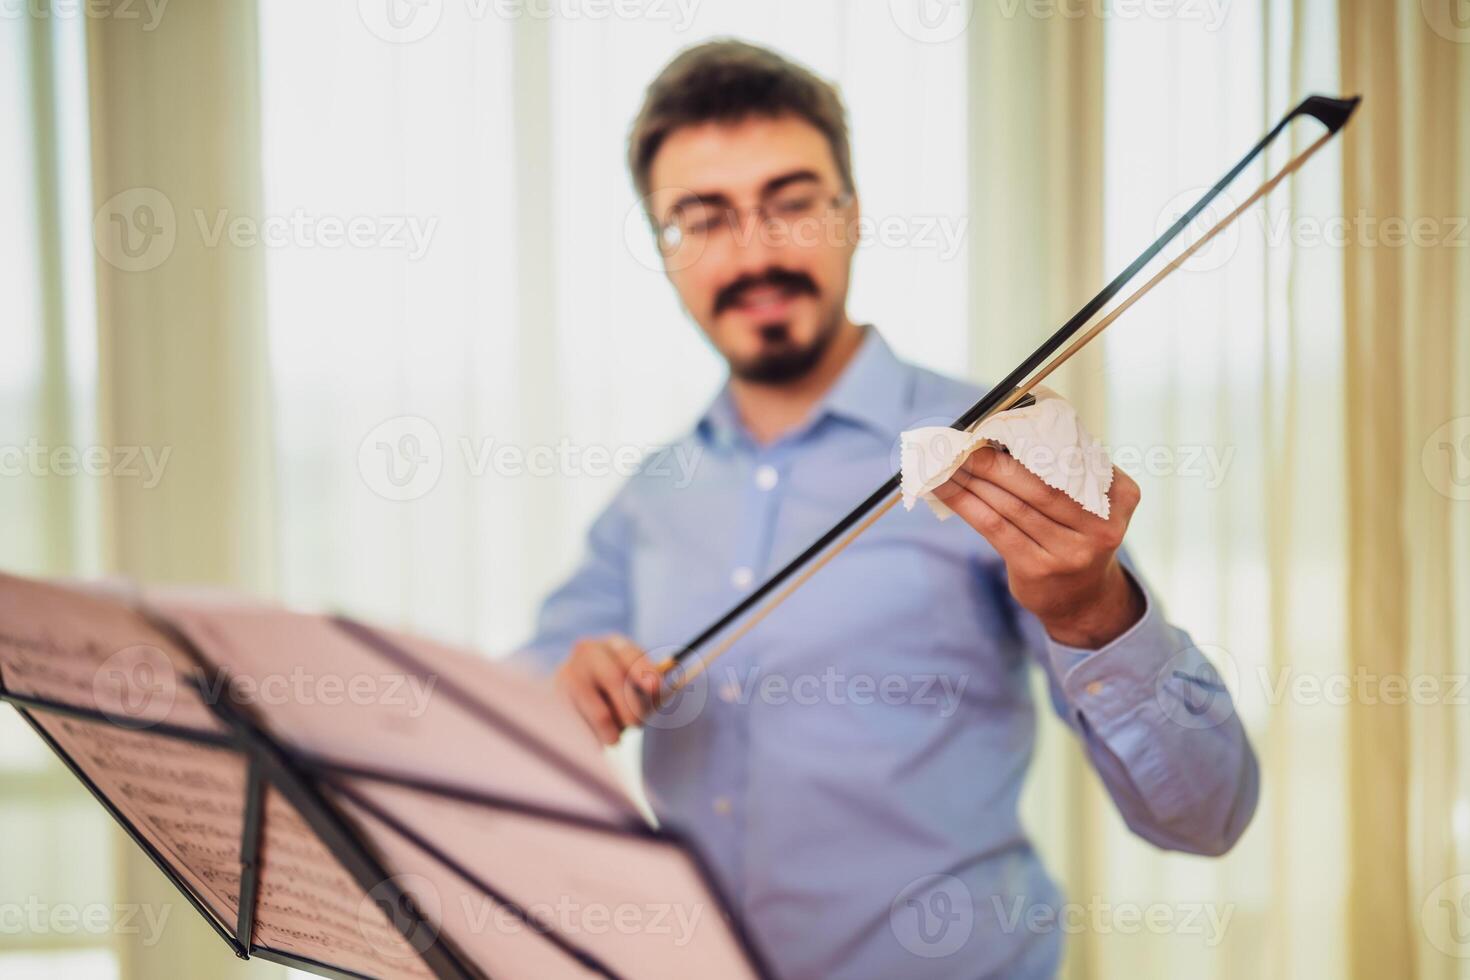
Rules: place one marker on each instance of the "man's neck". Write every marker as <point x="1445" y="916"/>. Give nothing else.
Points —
<point x="770" y="411"/>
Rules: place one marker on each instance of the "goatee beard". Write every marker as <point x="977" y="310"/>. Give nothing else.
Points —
<point x="784" y="361"/>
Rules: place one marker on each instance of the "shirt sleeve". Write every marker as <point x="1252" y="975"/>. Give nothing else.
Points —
<point x="1160" y="727"/>
<point x="592" y="600"/>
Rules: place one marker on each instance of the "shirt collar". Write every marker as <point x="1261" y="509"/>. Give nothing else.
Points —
<point x="872" y="391"/>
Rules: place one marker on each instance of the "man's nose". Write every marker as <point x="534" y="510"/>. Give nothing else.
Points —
<point x="755" y="248"/>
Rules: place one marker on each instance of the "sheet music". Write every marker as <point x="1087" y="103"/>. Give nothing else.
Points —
<point x="351" y="703"/>
<point x="94" y="653"/>
<point x="186" y="800"/>
<point x="639" y="905"/>
<point x="311" y="907"/>
<point x="486" y="730"/>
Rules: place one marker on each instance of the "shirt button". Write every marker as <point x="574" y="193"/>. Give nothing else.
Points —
<point x="766" y="476"/>
<point x="730" y="692"/>
<point x="742" y="577"/>
<point x="722" y="805"/>
<point x="1095" y="688"/>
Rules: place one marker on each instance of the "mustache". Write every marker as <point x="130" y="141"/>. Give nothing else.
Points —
<point x="786" y="280"/>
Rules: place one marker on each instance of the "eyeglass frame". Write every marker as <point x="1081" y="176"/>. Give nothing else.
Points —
<point x="760" y="209"/>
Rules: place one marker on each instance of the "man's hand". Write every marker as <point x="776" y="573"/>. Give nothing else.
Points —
<point x="1061" y="560"/>
<point x="610" y="682"/>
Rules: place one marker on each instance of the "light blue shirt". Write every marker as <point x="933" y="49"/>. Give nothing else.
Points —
<point x="851" y="768"/>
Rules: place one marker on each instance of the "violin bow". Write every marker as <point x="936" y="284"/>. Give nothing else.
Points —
<point x="1332" y="113"/>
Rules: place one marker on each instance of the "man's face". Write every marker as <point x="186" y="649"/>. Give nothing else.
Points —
<point x="758" y="241"/>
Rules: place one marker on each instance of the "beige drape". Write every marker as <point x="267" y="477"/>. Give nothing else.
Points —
<point x="1364" y="497"/>
<point x="181" y="344"/>
<point x="1363" y="516"/>
<point x="1037" y="259"/>
<point x="1408" y="346"/>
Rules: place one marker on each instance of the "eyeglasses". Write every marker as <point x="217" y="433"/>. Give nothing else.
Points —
<point x="787" y="216"/>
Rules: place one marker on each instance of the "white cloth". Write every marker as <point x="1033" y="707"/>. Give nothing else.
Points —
<point x="1047" y="438"/>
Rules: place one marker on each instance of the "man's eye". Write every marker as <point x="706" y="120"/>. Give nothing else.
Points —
<point x="794" y="207"/>
<point x="700" y="224"/>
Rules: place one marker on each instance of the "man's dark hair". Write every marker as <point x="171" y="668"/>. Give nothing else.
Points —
<point x="728" y="81"/>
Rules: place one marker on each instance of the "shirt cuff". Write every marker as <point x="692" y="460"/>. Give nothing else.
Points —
<point x="1111" y="681"/>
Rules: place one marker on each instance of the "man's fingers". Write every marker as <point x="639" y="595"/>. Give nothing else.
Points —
<point x="1003" y="470"/>
<point x="635" y="664"/>
<point x="1048" y="534"/>
<point x="594" y="709"/>
<point x="1004" y="537"/>
<point x="616" y="687"/>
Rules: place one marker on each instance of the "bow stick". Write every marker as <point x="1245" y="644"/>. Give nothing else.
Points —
<point x="1331" y="113"/>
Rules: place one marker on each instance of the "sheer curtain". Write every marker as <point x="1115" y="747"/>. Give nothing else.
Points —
<point x="470" y="341"/>
<point x="1225" y="393"/>
<point x="531" y="348"/>
<point x="56" y="853"/>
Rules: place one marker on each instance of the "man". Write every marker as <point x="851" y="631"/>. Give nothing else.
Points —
<point x="853" y="765"/>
